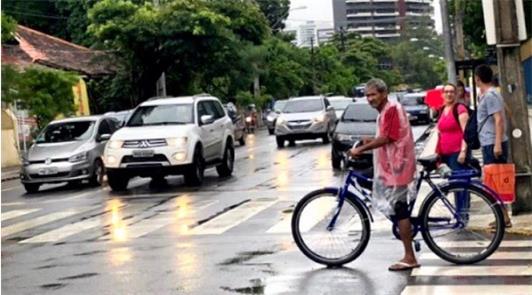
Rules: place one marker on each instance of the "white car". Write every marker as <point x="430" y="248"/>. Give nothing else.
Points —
<point x="307" y="117"/>
<point x="171" y="136"/>
<point x="340" y="103"/>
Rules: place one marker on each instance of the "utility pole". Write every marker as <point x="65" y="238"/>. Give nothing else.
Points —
<point x="160" y="85"/>
<point x="459" y="6"/>
<point x="449" y="56"/>
<point x="312" y="65"/>
<point x="342" y="39"/>
<point x="511" y="82"/>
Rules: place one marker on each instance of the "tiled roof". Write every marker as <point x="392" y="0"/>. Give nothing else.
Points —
<point x="37" y="47"/>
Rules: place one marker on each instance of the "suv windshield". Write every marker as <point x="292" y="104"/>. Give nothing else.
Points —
<point x="167" y="114"/>
<point x="412" y="100"/>
<point x="279" y="105"/>
<point x="360" y="113"/>
<point x="303" y="106"/>
<point x="340" y="104"/>
<point x="68" y="131"/>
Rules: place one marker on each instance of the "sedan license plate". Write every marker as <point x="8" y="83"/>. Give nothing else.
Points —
<point x="48" y="171"/>
<point x="143" y="153"/>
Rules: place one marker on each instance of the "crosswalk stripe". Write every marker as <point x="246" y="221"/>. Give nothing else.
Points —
<point x="468" y="289"/>
<point x="465" y="244"/>
<point x="228" y="220"/>
<point x="16" y="213"/>
<point x="500" y="255"/>
<point x="22" y="226"/>
<point x="65" y="231"/>
<point x="150" y="225"/>
<point x="464" y="271"/>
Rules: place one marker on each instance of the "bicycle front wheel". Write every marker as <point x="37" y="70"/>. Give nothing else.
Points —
<point x="465" y="225"/>
<point x="321" y="240"/>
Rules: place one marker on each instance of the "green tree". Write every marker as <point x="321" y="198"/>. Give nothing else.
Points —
<point x="9" y="25"/>
<point x="331" y="75"/>
<point x="276" y="11"/>
<point x="416" y="67"/>
<point x="473" y="25"/>
<point x="45" y="93"/>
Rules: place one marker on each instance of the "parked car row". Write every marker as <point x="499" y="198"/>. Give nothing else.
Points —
<point x="165" y="136"/>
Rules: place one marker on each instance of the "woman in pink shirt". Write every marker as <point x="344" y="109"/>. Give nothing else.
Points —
<point x="451" y="147"/>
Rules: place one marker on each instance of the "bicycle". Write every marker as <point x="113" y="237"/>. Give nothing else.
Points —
<point x="331" y="226"/>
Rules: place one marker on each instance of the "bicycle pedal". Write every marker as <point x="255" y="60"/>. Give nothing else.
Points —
<point x="417" y="246"/>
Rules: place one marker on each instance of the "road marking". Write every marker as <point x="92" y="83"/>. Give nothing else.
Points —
<point x="14" y="204"/>
<point x="282" y="227"/>
<point x="465" y="244"/>
<point x="65" y="231"/>
<point x="147" y="226"/>
<point x="316" y="211"/>
<point x="470" y="290"/>
<point x="16" y="213"/>
<point x="22" y="226"/>
<point x="228" y="220"/>
<point x="11" y="188"/>
<point x="465" y="271"/>
<point x="499" y="255"/>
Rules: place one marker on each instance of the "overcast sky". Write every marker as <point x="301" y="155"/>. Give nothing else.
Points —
<point x="320" y="11"/>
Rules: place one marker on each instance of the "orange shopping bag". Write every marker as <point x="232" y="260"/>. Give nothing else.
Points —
<point x="501" y="179"/>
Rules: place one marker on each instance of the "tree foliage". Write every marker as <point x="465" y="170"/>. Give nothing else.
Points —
<point x="9" y="25"/>
<point x="276" y="11"/>
<point x="46" y="93"/>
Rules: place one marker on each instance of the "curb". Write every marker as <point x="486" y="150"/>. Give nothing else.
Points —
<point x="7" y="178"/>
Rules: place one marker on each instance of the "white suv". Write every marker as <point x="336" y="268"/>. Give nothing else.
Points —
<point x="171" y="136"/>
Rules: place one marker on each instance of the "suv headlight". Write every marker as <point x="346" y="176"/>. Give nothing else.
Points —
<point x="115" y="144"/>
<point x="80" y="157"/>
<point x="176" y="141"/>
<point x="280" y="121"/>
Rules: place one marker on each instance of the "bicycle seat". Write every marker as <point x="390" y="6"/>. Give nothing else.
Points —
<point x="429" y="163"/>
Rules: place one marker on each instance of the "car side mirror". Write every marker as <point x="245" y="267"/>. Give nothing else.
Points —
<point x="104" y="137"/>
<point x="330" y="108"/>
<point x="207" y="119"/>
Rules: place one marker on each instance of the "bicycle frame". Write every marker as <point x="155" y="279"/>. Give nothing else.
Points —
<point x="461" y="177"/>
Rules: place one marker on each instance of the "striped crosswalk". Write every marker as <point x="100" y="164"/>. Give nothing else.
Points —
<point x="507" y="271"/>
<point x="119" y="221"/>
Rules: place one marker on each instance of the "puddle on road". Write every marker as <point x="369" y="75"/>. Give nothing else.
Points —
<point x="53" y="286"/>
<point x="245" y="256"/>
<point x="256" y="288"/>
<point x="80" y="276"/>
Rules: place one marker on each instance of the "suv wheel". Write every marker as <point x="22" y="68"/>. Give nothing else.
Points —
<point x="194" y="177"/>
<point x="97" y="174"/>
<point x="117" y="182"/>
<point x="31" y="188"/>
<point x="280" y="142"/>
<point x="226" y="168"/>
<point x="242" y="139"/>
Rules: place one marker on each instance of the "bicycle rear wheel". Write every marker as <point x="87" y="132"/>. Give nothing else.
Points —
<point x="335" y="246"/>
<point x="469" y="236"/>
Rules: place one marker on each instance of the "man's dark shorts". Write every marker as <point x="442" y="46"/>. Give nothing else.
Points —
<point x="488" y="156"/>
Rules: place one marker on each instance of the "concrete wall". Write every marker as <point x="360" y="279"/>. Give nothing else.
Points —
<point x="10" y="154"/>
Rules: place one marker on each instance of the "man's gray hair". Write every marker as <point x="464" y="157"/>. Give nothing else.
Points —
<point x="377" y="84"/>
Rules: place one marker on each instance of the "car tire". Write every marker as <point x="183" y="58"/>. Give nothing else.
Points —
<point x="117" y="182"/>
<point x="291" y="142"/>
<point x="326" y="137"/>
<point x="98" y="172"/>
<point x="336" y="161"/>
<point x="271" y="131"/>
<point x="242" y="140"/>
<point x="280" y="141"/>
<point x="194" y="177"/>
<point x="226" y="168"/>
<point x="31" y="188"/>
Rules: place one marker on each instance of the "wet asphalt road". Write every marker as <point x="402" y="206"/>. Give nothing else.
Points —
<point x="230" y="236"/>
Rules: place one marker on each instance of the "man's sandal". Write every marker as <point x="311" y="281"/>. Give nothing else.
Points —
<point x="402" y="266"/>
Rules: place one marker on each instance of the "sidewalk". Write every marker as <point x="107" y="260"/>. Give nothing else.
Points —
<point x="10" y="173"/>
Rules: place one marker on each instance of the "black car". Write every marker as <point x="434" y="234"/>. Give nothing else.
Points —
<point x="417" y="110"/>
<point x="359" y="120"/>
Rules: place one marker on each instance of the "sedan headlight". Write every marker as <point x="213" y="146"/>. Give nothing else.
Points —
<point x="80" y="157"/>
<point x="176" y="141"/>
<point x="115" y="144"/>
<point x="320" y="118"/>
<point x="345" y="137"/>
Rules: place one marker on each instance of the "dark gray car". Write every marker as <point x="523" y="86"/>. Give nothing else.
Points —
<point x="68" y="150"/>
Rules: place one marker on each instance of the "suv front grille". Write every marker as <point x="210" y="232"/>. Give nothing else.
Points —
<point x="155" y="158"/>
<point x="144" y="143"/>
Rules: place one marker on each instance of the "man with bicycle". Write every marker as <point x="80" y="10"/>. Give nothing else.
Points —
<point x="394" y="165"/>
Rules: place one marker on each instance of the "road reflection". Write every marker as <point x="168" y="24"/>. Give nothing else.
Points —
<point x="118" y="228"/>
